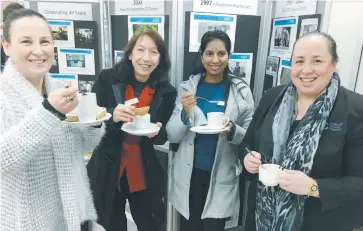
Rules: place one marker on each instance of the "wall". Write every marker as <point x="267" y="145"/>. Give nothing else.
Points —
<point x="345" y="25"/>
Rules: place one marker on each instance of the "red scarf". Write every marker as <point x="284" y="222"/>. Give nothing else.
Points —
<point x="131" y="151"/>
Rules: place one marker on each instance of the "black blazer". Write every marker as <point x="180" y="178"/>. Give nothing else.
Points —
<point x="337" y="167"/>
<point x="103" y="167"/>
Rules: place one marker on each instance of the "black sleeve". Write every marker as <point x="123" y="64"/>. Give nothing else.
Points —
<point x="169" y="100"/>
<point x="347" y="190"/>
<point x="54" y="111"/>
<point x="249" y="139"/>
<point x="102" y="89"/>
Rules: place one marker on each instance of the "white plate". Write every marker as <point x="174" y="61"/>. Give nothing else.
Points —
<point x="90" y="123"/>
<point x="204" y="129"/>
<point x="131" y="129"/>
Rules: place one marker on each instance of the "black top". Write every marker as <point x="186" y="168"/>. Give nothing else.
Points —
<point x="294" y="126"/>
<point x="337" y="166"/>
<point x="138" y="87"/>
<point x="103" y="167"/>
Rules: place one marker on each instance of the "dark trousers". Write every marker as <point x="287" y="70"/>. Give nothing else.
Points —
<point x="199" y="186"/>
<point x="140" y="206"/>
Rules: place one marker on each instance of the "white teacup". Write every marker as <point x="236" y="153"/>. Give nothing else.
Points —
<point x="269" y="174"/>
<point x="87" y="107"/>
<point x="142" y="122"/>
<point x="217" y="120"/>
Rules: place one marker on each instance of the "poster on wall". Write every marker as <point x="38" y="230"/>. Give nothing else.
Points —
<point x="66" y="11"/>
<point x="62" y="32"/>
<point x="76" y="61"/>
<point x="202" y="22"/>
<point x="308" y="25"/>
<point x="246" y="7"/>
<point x="59" y="80"/>
<point x="288" y="8"/>
<point x="240" y="65"/>
<point x="139" y="7"/>
<point x="55" y="66"/>
<point x="85" y="85"/>
<point x="284" y="72"/>
<point x="85" y="35"/>
<point x="136" y="23"/>
<point x="272" y="65"/>
<point x="118" y="55"/>
<point x="283" y="37"/>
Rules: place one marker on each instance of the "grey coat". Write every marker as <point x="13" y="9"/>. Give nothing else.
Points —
<point x="223" y="195"/>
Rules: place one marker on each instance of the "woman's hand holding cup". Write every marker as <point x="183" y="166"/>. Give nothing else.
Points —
<point x="252" y="162"/>
<point x="123" y="113"/>
<point x="188" y="101"/>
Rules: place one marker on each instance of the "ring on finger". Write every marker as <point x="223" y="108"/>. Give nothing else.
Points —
<point x="71" y="99"/>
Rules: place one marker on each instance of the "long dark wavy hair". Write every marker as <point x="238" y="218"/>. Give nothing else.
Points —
<point x="125" y="69"/>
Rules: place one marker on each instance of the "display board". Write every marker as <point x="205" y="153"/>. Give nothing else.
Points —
<point x="76" y="50"/>
<point x="120" y="33"/>
<point x="284" y="32"/>
<point x="246" y="41"/>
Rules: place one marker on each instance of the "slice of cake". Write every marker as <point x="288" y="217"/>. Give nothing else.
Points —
<point x="142" y="117"/>
<point x="87" y="109"/>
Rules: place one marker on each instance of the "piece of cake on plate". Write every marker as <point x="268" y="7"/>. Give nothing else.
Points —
<point x="87" y="109"/>
<point x="142" y="117"/>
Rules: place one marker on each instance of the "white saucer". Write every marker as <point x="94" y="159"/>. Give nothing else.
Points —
<point x="91" y="123"/>
<point x="204" y="129"/>
<point x="131" y="129"/>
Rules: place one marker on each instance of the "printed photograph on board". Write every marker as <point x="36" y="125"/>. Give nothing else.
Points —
<point x="62" y="33"/>
<point x="59" y="32"/>
<point x="141" y="27"/>
<point x="238" y="68"/>
<point x="308" y="28"/>
<point x="55" y="66"/>
<point x="285" y="76"/>
<point x="85" y="86"/>
<point x="76" y="60"/>
<point x="84" y="35"/>
<point x="211" y="26"/>
<point x="272" y="65"/>
<point x="282" y="38"/>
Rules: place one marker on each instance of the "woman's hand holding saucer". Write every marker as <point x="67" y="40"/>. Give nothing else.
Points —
<point x="229" y="126"/>
<point x="151" y="135"/>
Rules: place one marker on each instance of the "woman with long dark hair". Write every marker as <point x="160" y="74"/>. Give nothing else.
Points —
<point x="124" y="166"/>
<point x="205" y="170"/>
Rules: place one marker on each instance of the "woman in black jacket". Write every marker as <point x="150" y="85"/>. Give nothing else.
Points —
<point x="313" y="128"/>
<point x="125" y="166"/>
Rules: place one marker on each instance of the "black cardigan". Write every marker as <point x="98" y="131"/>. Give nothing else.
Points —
<point x="104" y="165"/>
<point x="337" y="167"/>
